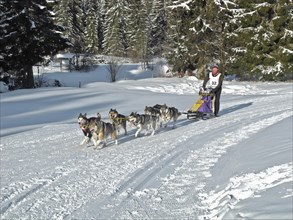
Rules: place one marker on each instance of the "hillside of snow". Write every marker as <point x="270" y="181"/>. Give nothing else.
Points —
<point x="236" y="166"/>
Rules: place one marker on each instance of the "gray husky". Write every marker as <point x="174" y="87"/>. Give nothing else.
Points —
<point x="169" y="113"/>
<point x="154" y="111"/>
<point x="143" y="121"/>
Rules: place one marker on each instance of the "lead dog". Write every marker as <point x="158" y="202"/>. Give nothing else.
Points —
<point x="118" y="120"/>
<point x="96" y="130"/>
<point x="169" y="113"/>
<point x="146" y="122"/>
<point x="85" y="124"/>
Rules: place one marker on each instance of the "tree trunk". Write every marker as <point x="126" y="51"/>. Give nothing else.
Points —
<point x="28" y="77"/>
<point x="202" y="71"/>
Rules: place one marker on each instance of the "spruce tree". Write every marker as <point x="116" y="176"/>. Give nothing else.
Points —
<point x="178" y="22"/>
<point x="27" y="35"/>
<point x="157" y="32"/>
<point x="100" y="15"/>
<point x="115" y="32"/>
<point x="138" y="29"/>
<point x="91" y="35"/>
<point x="76" y="30"/>
<point x="282" y="26"/>
<point x="264" y="47"/>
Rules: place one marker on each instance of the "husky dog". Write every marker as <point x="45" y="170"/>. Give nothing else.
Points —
<point x="85" y="124"/>
<point x="154" y="111"/>
<point x="118" y="120"/>
<point x="146" y="122"/>
<point x="102" y="130"/>
<point x="169" y="113"/>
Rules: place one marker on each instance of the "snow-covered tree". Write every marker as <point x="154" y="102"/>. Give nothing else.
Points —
<point x="264" y="40"/>
<point x="158" y="25"/>
<point x="115" y="32"/>
<point x="27" y="34"/>
<point x="100" y="14"/>
<point x="76" y="26"/>
<point x="91" y="35"/>
<point x="178" y="22"/>
<point x="138" y="29"/>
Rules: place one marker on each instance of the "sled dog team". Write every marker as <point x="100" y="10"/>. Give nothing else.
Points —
<point x="95" y="129"/>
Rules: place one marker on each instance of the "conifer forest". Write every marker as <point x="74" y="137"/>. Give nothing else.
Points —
<point x="250" y="38"/>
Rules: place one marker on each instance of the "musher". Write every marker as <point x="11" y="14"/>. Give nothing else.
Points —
<point x="215" y="80"/>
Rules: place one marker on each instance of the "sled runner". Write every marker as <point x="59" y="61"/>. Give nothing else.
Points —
<point x="203" y="108"/>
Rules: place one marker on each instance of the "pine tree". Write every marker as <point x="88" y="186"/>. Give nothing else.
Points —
<point x="91" y="35"/>
<point x="28" y="34"/>
<point x="76" y="26"/>
<point x="178" y="21"/>
<point x="100" y="14"/>
<point x="137" y="29"/>
<point x="262" y="38"/>
<point x="282" y="26"/>
<point x="61" y="15"/>
<point x="157" y="32"/>
<point x="114" y="36"/>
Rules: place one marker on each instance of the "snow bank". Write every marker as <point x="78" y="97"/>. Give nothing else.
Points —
<point x="3" y="87"/>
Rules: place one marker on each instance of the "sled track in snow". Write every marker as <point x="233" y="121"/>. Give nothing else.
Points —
<point x="29" y="187"/>
<point x="263" y="116"/>
<point x="142" y="177"/>
<point x="64" y="191"/>
<point x="216" y="204"/>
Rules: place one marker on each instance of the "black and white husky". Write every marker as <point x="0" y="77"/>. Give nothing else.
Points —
<point x="143" y="122"/>
<point x="169" y="113"/>
<point x="154" y="111"/>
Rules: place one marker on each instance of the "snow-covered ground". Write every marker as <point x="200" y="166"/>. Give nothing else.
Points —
<point x="236" y="166"/>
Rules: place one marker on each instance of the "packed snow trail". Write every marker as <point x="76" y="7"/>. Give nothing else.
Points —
<point x="46" y="175"/>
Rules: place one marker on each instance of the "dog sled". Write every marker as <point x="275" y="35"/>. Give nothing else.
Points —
<point x="203" y="108"/>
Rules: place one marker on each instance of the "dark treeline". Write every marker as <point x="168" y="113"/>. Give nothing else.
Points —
<point x="250" y="38"/>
